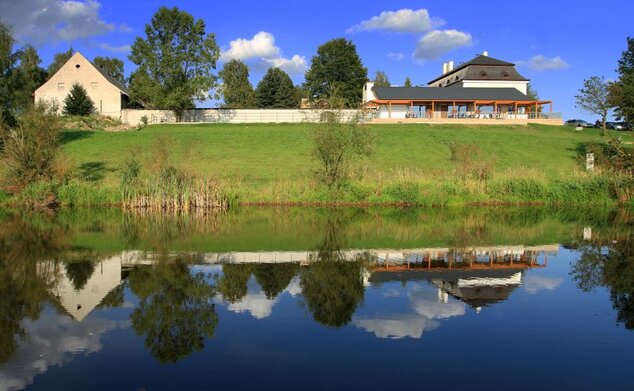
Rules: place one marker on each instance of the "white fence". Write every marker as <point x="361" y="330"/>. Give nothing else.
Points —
<point x="236" y="116"/>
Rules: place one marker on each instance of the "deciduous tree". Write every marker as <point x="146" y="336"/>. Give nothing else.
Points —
<point x="8" y="60"/>
<point x="622" y="91"/>
<point x="112" y="66"/>
<point x="175" y="62"/>
<point x="408" y="82"/>
<point x="30" y="76"/>
<point x="381" y="79"/>
<point x="594" y="96"/>
<point x="336" y="69"/>
<point x="59" y="60"/>
<point x="236" y="88"/>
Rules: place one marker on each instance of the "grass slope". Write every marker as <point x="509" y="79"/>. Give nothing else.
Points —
<point x="257" y="157"/>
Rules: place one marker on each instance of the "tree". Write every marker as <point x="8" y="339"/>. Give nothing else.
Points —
<point x="58" y="61"/>
<point x="381" y="79"/>
<point x="30" y="76"/>
<point x="8" y="60"/>
<point x="175" y="62"/>
<point x="77" y="102"/>
<point x="337" y="70"/>
<point x="276" y="91"/>
<point x="531" y="93"/>
<point x="622" y="91"/>
<point x="594" y="97"/>
<point x="274" y="277"/>
<point x="176" y="311"/>
<point x="337" y="143"/>
<point x="112" y="66"/>
<point x="237" y="90"/>
<point x="408" y="82"/>
<point x="233" y="283"/>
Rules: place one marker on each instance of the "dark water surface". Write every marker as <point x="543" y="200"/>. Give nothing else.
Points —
<point x="512" y="298"/>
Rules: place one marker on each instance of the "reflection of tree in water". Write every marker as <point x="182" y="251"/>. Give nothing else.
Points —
<point x="274" y="277"/>
<point x="611" y="266"/>
<point x="79" y="272"/>
<point x="115" y="298"/>
<point x="176" y="312"/>
<point x="24" y="286"/>
<point x="332" y="287"/>
<point x="233" y="283"/>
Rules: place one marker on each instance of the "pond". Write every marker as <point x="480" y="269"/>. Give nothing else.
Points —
<point x="318" y="298"/>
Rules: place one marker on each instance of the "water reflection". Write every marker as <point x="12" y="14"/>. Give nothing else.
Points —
<point x="390" y="275"/>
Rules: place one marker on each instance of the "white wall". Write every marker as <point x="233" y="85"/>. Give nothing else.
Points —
<point x="133" y="116"/>
<point x="520" y="85"/>
<point x="368" y="94"/>
<point x="398" y="111"/>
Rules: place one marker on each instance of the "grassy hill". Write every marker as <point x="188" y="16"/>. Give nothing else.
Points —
<point x="273" y="162"/>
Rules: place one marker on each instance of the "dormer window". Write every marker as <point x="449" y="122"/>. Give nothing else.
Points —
<point x="77" y="66"/>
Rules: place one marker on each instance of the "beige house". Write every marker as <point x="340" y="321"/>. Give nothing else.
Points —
<point x="108" y="94"/>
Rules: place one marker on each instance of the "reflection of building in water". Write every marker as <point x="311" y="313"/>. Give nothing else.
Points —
<point x="488" y="273"/>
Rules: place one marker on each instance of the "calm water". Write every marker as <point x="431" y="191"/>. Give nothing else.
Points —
<point x="318" y="299"/>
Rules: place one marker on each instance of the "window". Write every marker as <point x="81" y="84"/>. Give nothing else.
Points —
<point x="94" y="85"/>
<point x="77" y="66"/>
<point x="60" y="86"/>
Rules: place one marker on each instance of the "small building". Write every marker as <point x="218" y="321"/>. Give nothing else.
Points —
<point x="477" y="91"/>
<point x="108" y="95"/>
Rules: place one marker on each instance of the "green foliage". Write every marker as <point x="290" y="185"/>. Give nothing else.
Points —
<point x="30" y="77"/>
<point x="274" y="278"/>
<point x="175" y="62"/>
<point x="612" y="155"/>
<point x="407" y="82"/>
<point x="233" y="283"/>
<point x="276" y="91"/>
<point x="336" y="69"/>
<point x="594" y="97"/>
<point x="79" y="272"/>
<point x="622" y="91"/>
<point x="531" y="92"/>
<point x="112" y="66"/>
<point x="8" y="80"/>
<point x="77" y="102"/>
<point x="59" y="60"/>
<point x="408" y="192"/>
<point x="237" y="90"/>
<point x="176" y="310"/>
<point x="381" y="79"/>
<point x="30" y="150"/>
<point x="337" y="143"/>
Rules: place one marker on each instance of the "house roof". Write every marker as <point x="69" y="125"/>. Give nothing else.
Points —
<point x="122" y="87"/>
<point x="449" y="94"/>
<point x="482" y="61"/>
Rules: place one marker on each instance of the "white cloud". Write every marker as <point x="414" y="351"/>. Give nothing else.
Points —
<point x="435" y="43"/>
<point x="542" y="63"/>
<point x="115" y="49"/>
<point x="261" y="45"/>
<point x="426" y="303"/>
<point x="124" y="28"/>
<point x="396" y="327"/>
<point x="295" y="65"/>
<point x="49" y="21"/>
<point x="402" y="21"/>
<point x="395" y="56"/>
<point x="52" y="340"/>
<point x="533" y="284"/>
<point x="257" y="304"/>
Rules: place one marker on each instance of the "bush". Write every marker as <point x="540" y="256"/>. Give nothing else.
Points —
<point x="470" y="161"/>
<point x="408" y="192"/>
<point x="31" y="149"/>
<point x="78" y="102"/>
<point x="336" y="144"/>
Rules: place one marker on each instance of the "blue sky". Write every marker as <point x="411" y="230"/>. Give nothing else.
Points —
<point x="555" y="44"/>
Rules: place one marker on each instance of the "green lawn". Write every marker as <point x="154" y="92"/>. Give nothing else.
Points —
<point x="266" y="153"/>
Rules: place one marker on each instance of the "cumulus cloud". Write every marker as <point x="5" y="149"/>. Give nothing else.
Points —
<point x="262" y="53"/>
<point x="295" y="65"/>
<point x="395" y="56"/>
<point x="53" y="340"/>
<point x="397" y="327"/>
<point x="401" y="21"/>
<point x="541" y="63"/>
<point x="435" y="43"/>
<point x="115" y="49"/>
<point x="49" y="21"/>
<point x="261" y="45"/>
<point x="533" y="284"/>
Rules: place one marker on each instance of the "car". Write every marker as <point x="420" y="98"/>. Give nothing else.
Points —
<point x="578" y="123"/>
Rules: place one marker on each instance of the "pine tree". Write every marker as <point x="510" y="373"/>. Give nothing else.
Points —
<point x="276" y="91"/>
<point x="408" y="82"/>
<point x="78" y="102"/>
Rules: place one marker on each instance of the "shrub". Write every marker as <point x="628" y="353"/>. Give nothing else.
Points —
<point x="470" y="161"/>
<point x="336" y="145"/>
<point x="408" y="192"/>
<point x="77" y="102"/>
<point x="31" y="149"/>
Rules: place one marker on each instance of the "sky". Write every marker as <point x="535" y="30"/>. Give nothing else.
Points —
<point x="555" y="44"/>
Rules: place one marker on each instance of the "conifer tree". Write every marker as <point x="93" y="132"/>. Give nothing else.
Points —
<point x="77" y="102"/>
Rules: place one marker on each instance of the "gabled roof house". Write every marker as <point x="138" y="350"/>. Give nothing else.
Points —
<point x="480" y="89"/>
<point x="108" y="95"/>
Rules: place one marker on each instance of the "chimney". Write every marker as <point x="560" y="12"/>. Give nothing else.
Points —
<point x="450" y="66"/>
<point x="485" y="53"/>
<point x="444" y="67"/>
